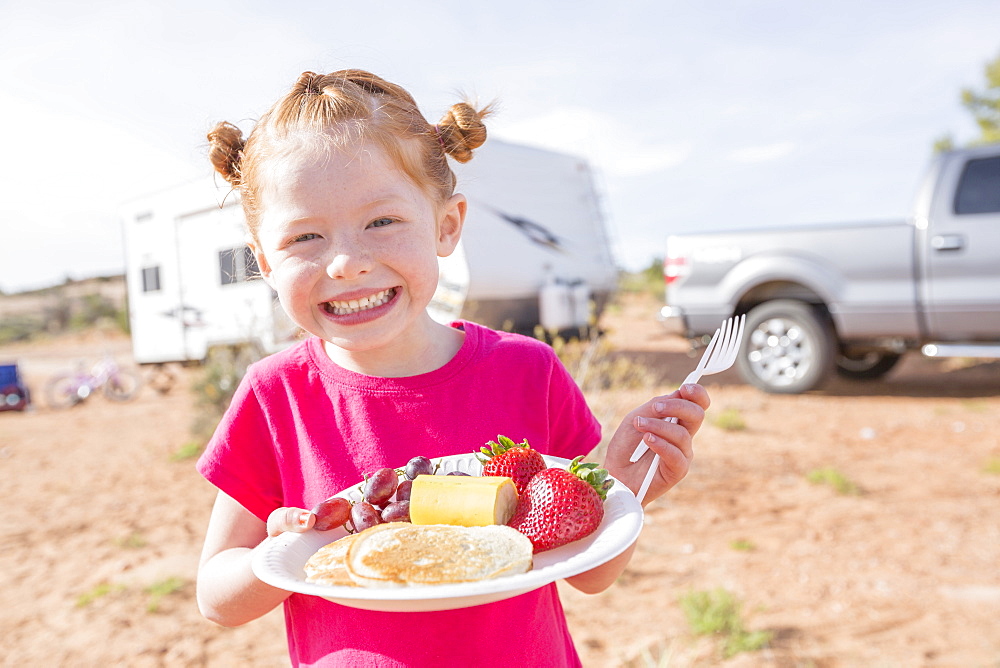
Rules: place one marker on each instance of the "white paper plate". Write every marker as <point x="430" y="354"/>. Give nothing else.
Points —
<point x="279" y="561"/>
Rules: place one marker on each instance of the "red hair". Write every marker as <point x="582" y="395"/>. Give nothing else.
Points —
<point x="339" y="110"/>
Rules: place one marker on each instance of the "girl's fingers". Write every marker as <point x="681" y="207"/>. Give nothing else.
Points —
<point x="687" y="403"/>
<point x="659" y="434"/>
<point x="296" y="520"/>
<point x="674" y="461"/>
<point x="672" y="441"/>
<point x="696" y="393"/>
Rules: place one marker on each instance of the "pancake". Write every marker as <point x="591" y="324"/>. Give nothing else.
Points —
<point x="399" y="554"/>
<point x="327" y="566"/>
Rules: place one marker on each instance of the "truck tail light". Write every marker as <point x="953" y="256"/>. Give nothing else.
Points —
<point x="675" y="268"/>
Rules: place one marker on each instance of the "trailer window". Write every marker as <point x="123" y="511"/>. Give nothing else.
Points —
<point x="979" y="187"/>
<point x="237" y="265"/>
<point x="150" y="279"/>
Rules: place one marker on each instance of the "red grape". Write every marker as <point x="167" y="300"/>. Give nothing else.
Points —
<point x="397" y="511"/>
<point x="332" y="513"/>
<point x="380" y="486"/>
<point x="419" y="465"/>
<point x="403" y="490"/>
<point x="364" y="515"/>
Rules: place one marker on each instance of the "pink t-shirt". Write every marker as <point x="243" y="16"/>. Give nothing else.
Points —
<point x="300" y="428"/>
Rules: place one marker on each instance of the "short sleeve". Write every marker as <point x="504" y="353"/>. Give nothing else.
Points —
<point x="575" y="430"/>
<point x="240" y="457"/>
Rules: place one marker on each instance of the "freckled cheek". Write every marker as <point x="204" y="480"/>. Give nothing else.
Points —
<point x="425" y="274"/>
<point x="294" y="284"/>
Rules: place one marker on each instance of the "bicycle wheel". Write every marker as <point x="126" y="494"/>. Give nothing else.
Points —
<point x="63" y="391"/>
<point x="122" y="385"/>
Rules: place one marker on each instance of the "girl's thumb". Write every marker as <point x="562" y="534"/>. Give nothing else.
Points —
<point x="289" y="519"/>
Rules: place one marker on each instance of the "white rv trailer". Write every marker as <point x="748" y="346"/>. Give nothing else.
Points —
<point x="534" y="250"/>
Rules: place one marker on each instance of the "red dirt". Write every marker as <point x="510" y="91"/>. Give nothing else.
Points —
<point x="903" y="573"/>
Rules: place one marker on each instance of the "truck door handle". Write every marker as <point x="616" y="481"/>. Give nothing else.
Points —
<point x="948" y="242"/>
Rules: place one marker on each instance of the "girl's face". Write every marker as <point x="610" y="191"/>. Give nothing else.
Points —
<point x="351" y="246"/>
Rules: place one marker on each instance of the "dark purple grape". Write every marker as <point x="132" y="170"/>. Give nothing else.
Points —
<point x="364" y="516"/>
<point x="397" y="511"/>
<point x="380" y="486"/>
<point x="332" y="513"/>
<point x="419" y="465"/>
<point x="456" y="473"/>
<point x="403" y="490"/>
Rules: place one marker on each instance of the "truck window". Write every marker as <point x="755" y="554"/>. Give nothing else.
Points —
<point x="237" y="265"/>
<point x="150" y="279"/>
<point x="979" y="187"/>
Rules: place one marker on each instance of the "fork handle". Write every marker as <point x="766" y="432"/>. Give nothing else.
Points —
<point x="649" y="478"/>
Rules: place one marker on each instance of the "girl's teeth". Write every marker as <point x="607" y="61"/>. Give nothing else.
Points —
<point x="355" y="305"/>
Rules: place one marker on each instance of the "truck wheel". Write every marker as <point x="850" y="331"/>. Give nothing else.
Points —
<point x="866" y="366"/>
<point x="788" y="347"/>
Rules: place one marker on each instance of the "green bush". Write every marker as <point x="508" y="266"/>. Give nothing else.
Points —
<point x="223" y="370"/>
<point x="162" y="588"/>
<point x="594" y="366"/>
<point x="648" y="280"/>
<point x="717" y="613"/>
<point x="729" y="419"/>
<point x="98" y="591"/>
<point x="834" y="478"/>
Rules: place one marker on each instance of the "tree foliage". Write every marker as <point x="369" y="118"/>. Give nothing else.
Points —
<point x="984" y="106"/>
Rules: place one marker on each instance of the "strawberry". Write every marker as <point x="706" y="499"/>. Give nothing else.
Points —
<point x="560" y="506"/>
<point x="513" y="460"/>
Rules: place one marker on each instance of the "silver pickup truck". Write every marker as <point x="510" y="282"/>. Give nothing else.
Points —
<point x="852" y="298"/>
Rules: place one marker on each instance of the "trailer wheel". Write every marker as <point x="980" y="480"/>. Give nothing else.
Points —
<point x="788" y="348"/>
<point x="866" y="366"/>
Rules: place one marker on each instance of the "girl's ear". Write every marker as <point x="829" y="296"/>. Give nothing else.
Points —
<point x="262" y="265"/>
<point x="450" y="224"/>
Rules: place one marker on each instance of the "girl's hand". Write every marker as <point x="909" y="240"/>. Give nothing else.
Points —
<point x="671" y="441"/>
<point x="295" y="520"/>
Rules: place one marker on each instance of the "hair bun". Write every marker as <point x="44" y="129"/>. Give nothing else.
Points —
<point x="462" y="130"/>
<point x="225" y="151"/>
<point x="309" y="83"/>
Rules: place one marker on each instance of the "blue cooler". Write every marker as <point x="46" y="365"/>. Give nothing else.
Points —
<point x="14" y="395"/>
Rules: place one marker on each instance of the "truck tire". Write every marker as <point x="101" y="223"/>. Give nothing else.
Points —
<point x="866" y="366"/>
<point x="788" y="347"/>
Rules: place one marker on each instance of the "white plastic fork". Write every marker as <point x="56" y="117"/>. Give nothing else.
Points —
<point x="719" y="355"/>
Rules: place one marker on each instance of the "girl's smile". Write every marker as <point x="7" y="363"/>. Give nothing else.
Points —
<point x="365" y="306"/>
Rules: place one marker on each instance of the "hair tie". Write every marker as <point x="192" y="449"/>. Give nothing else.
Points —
<point x="437" y="133"/>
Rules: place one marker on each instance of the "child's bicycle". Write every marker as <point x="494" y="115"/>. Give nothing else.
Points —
<point x="71" y="388"/>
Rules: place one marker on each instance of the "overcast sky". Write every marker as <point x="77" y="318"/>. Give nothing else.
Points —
<point x="695" y="115"/>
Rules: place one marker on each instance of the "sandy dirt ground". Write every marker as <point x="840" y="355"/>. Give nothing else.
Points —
<point x="105" y="519"/>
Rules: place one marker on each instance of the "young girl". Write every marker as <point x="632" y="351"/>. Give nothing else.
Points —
<point x="350" y="201"/>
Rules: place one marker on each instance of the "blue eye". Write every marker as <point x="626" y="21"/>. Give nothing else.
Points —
<point x="381" y="222"/>
<point x="305" y="237"/>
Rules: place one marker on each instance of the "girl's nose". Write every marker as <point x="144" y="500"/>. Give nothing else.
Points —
<point x="348" y="263"/>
